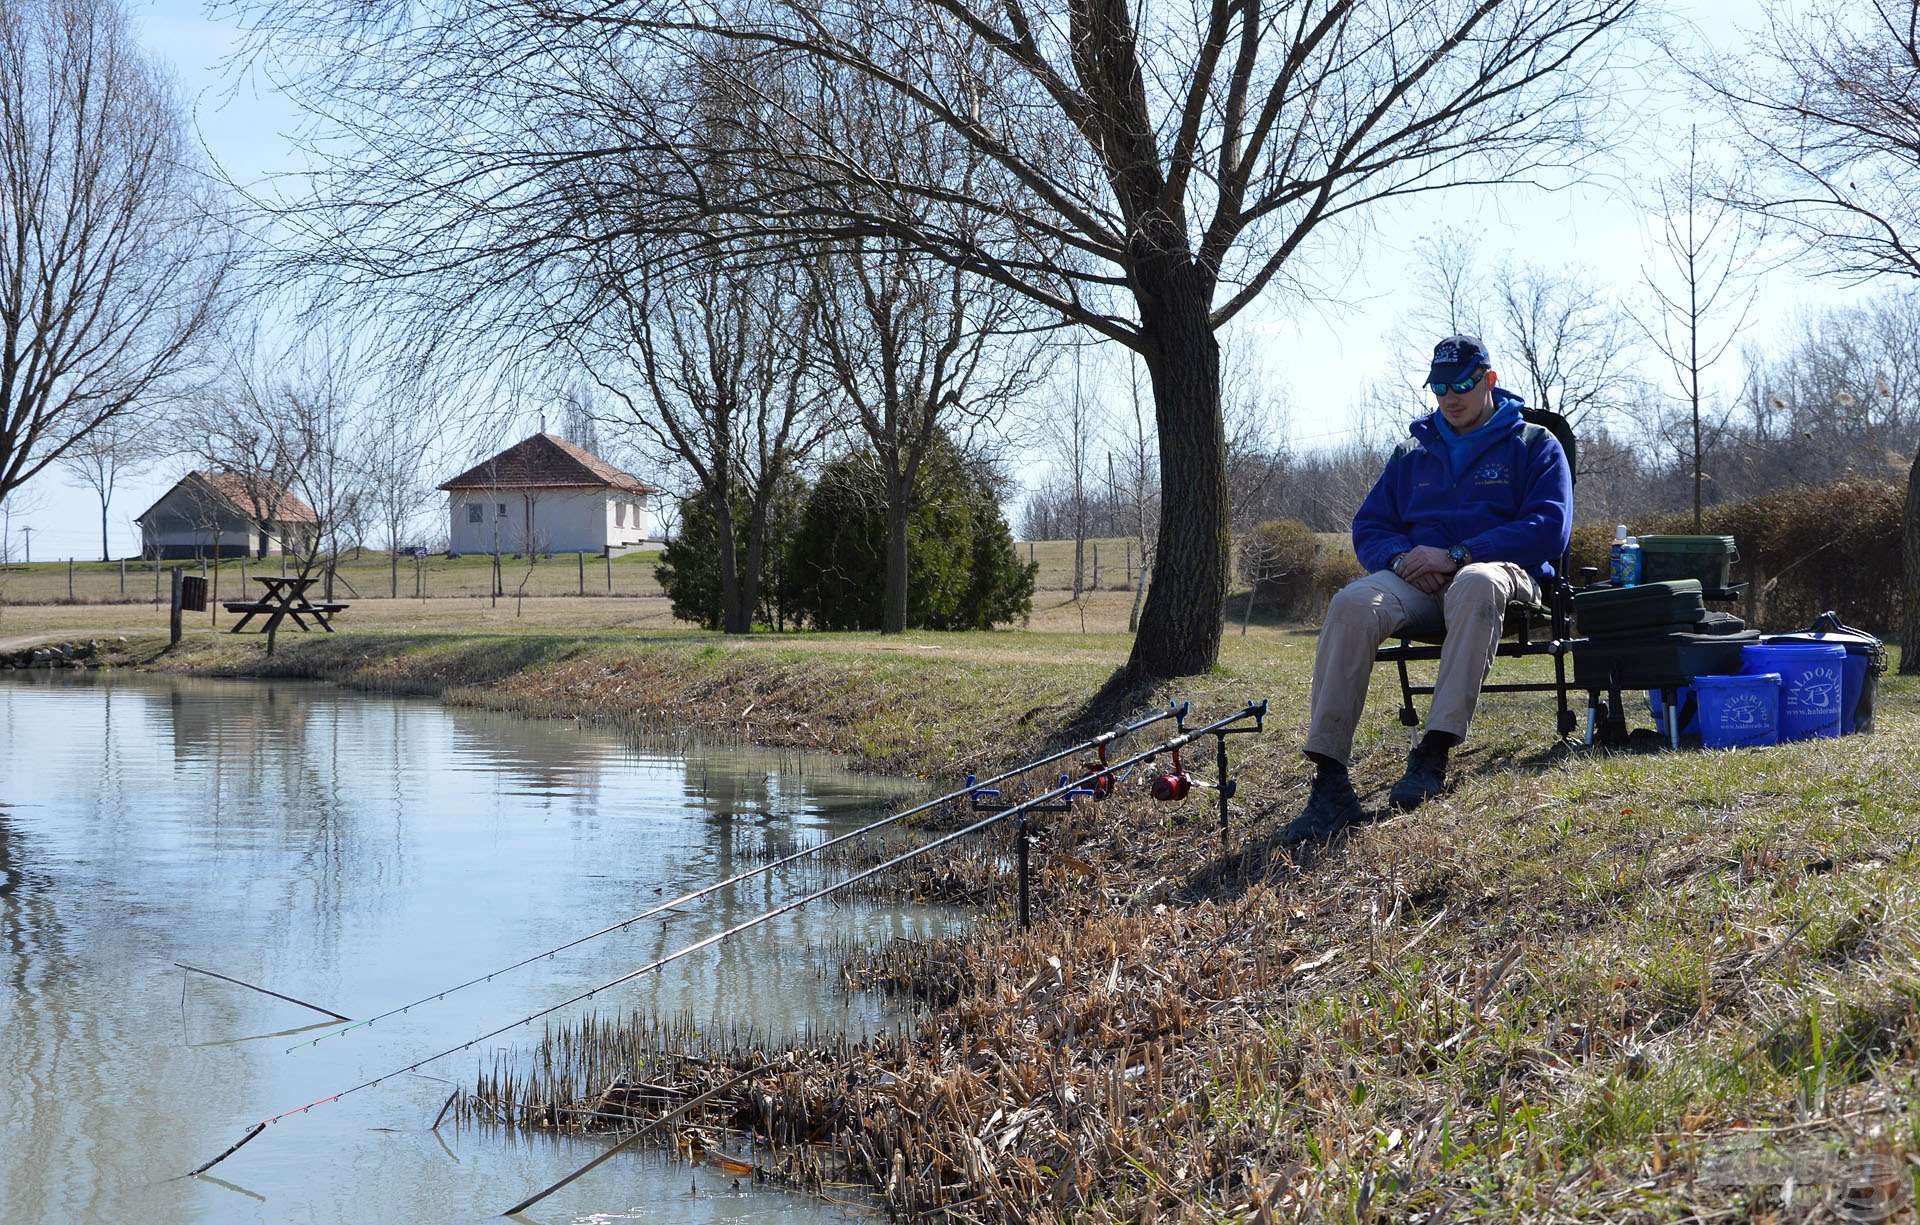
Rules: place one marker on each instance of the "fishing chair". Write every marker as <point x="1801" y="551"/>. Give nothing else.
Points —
<point x="1542" y="627"/>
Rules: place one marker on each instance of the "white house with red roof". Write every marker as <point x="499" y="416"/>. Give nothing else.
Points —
<point x="547" y="495"/>
<point x="225" y="514"/>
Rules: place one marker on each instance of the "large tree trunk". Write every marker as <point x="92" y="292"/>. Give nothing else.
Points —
<point x="747" y="587"/>
<point x="893" y="612"/>
<point x="1910" y="617"/>
<point x="729" y="575"/>
<point x="1180" y="625"/>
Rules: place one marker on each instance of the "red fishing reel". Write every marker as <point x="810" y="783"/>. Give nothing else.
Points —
<point x="1171" y="785"/>
<point x="1103" y="781"/>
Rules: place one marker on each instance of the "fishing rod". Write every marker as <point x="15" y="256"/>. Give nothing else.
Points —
<point x="1255" y="711"/>
<point x="1175" y="711"/>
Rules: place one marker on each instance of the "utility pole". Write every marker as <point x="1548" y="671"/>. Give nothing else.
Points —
<point x="28" y="533"/>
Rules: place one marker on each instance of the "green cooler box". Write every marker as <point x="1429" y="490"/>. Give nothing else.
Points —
<point x="1709" y="559"/>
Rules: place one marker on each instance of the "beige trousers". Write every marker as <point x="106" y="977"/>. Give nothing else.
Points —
<point x="1368" y="611"/>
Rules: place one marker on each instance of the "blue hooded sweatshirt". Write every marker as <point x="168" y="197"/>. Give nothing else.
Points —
<point x="1513" y="499"/>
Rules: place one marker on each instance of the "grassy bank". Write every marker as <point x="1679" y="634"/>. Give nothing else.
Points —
<point x="1578" y="987"/>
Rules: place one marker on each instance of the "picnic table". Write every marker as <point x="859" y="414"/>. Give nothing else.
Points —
<point x="284" y="597"/>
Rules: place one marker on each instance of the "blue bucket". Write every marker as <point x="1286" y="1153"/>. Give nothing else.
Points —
<point x="1739" y="711"/>
<point x="1812" y="684"/>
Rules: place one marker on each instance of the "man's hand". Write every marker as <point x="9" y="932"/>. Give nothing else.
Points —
<point x="1424" y="559"/>
<point x="1430" y="582"/>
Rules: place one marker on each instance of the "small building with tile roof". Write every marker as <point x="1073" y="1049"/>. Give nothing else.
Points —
<point x="225" y="514"/>
<point x="547" y="495"/>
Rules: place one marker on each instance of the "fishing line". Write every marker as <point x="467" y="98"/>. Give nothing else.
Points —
<point x="1252" y="710"/>
<point x="1173" y="711"/>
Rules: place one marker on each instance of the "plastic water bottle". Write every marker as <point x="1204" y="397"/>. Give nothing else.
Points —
<point x="1625" y="558"/>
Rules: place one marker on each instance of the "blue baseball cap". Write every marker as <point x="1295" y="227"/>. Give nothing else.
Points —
<point x="1456" y="358"/>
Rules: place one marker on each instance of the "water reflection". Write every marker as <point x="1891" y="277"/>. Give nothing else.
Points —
<point x="356" y="852"/>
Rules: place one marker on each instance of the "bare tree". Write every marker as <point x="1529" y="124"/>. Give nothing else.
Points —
<point x="1826" y="107"/>
<point x="1070" y="430"/>
<point x="1149" y="178"/>
<point x="100" y="457"/>
<point x="111" y="264"/>
<point x="1138" y="490"/>
<point x="20" y="503"/>
<point x="238" y="424"/>
<point x="725" y="389"/>
<point x="1569" y="341"/>
<point x="1698" y="305"/>
<point x="391" y="451"/>
<point x="580" y="418"/>
<point x="919" y="350"/>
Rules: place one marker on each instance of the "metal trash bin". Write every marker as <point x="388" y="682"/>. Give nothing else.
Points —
<point x="193" y="593"/>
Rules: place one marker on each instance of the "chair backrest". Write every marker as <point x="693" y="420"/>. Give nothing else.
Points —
<point x="1553" y="423"/>
<point x="1561" y="597"/>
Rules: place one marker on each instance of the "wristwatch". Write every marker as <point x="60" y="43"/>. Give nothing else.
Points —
<point x="1460" y="555"/>
<point x="1393" y="563"/>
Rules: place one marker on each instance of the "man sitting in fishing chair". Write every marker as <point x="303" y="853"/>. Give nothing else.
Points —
<point x="1469" y="516"/>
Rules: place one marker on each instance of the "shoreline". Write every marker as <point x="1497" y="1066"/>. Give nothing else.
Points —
<point x="1588" y="986"/>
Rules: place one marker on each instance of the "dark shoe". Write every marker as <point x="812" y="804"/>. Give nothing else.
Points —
<point x="1425" y="778"/>
<point x="1330" y="808"/>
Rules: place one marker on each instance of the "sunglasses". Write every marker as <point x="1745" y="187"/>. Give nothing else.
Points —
<point x="1461" y="388"/>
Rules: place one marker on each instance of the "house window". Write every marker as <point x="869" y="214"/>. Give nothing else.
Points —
<point x="475" y="512"/>
<point x="502" y="510"/>
<point x="619" y="514"/>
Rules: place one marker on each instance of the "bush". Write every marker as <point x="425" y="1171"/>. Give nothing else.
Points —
<point x="1277" y="560"/>
<point x="689" y="566"/>
<point x="1335" y="571"/>
<point x="1802" y="551"/>
<point x="962" y="571"/>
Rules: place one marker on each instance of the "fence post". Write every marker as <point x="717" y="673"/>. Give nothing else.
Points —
<point x="123" y="578"/>
<point x="609" y="571"/>
<point x="1096" y="565"/>
<point x="1029" y="552"/>
<point x="173" y="618"/>
<point x="156" y="580"/>
<point x="243" y="578"/>
<point x="419" y="591"/>
<point x="581" y="558"/>
<point x="1129" y="574"/>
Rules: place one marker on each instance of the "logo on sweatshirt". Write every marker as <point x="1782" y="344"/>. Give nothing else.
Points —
<point x="1492" y="473"/>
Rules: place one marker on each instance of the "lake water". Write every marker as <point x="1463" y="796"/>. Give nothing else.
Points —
<point x="356" y="852"/>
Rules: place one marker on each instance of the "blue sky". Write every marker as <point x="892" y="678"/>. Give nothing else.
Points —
<point x="1320" y="354"/>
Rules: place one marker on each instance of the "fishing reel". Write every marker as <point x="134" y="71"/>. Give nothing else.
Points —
<point x="1104" y="782"/>
<point x="1169" y="786"/>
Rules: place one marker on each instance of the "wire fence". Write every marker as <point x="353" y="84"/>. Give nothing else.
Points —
<point x="1106" y="564"/>
<point x="368" y="577"/>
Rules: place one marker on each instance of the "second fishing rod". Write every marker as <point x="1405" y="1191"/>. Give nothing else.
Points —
<point x="1176" y="711"/>
<point x="1252" y="711"/>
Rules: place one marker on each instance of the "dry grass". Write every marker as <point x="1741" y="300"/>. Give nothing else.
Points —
<point x="1577" y="988"/>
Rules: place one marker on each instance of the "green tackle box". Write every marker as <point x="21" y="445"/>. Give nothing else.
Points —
<point x="1706" y="558"/>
